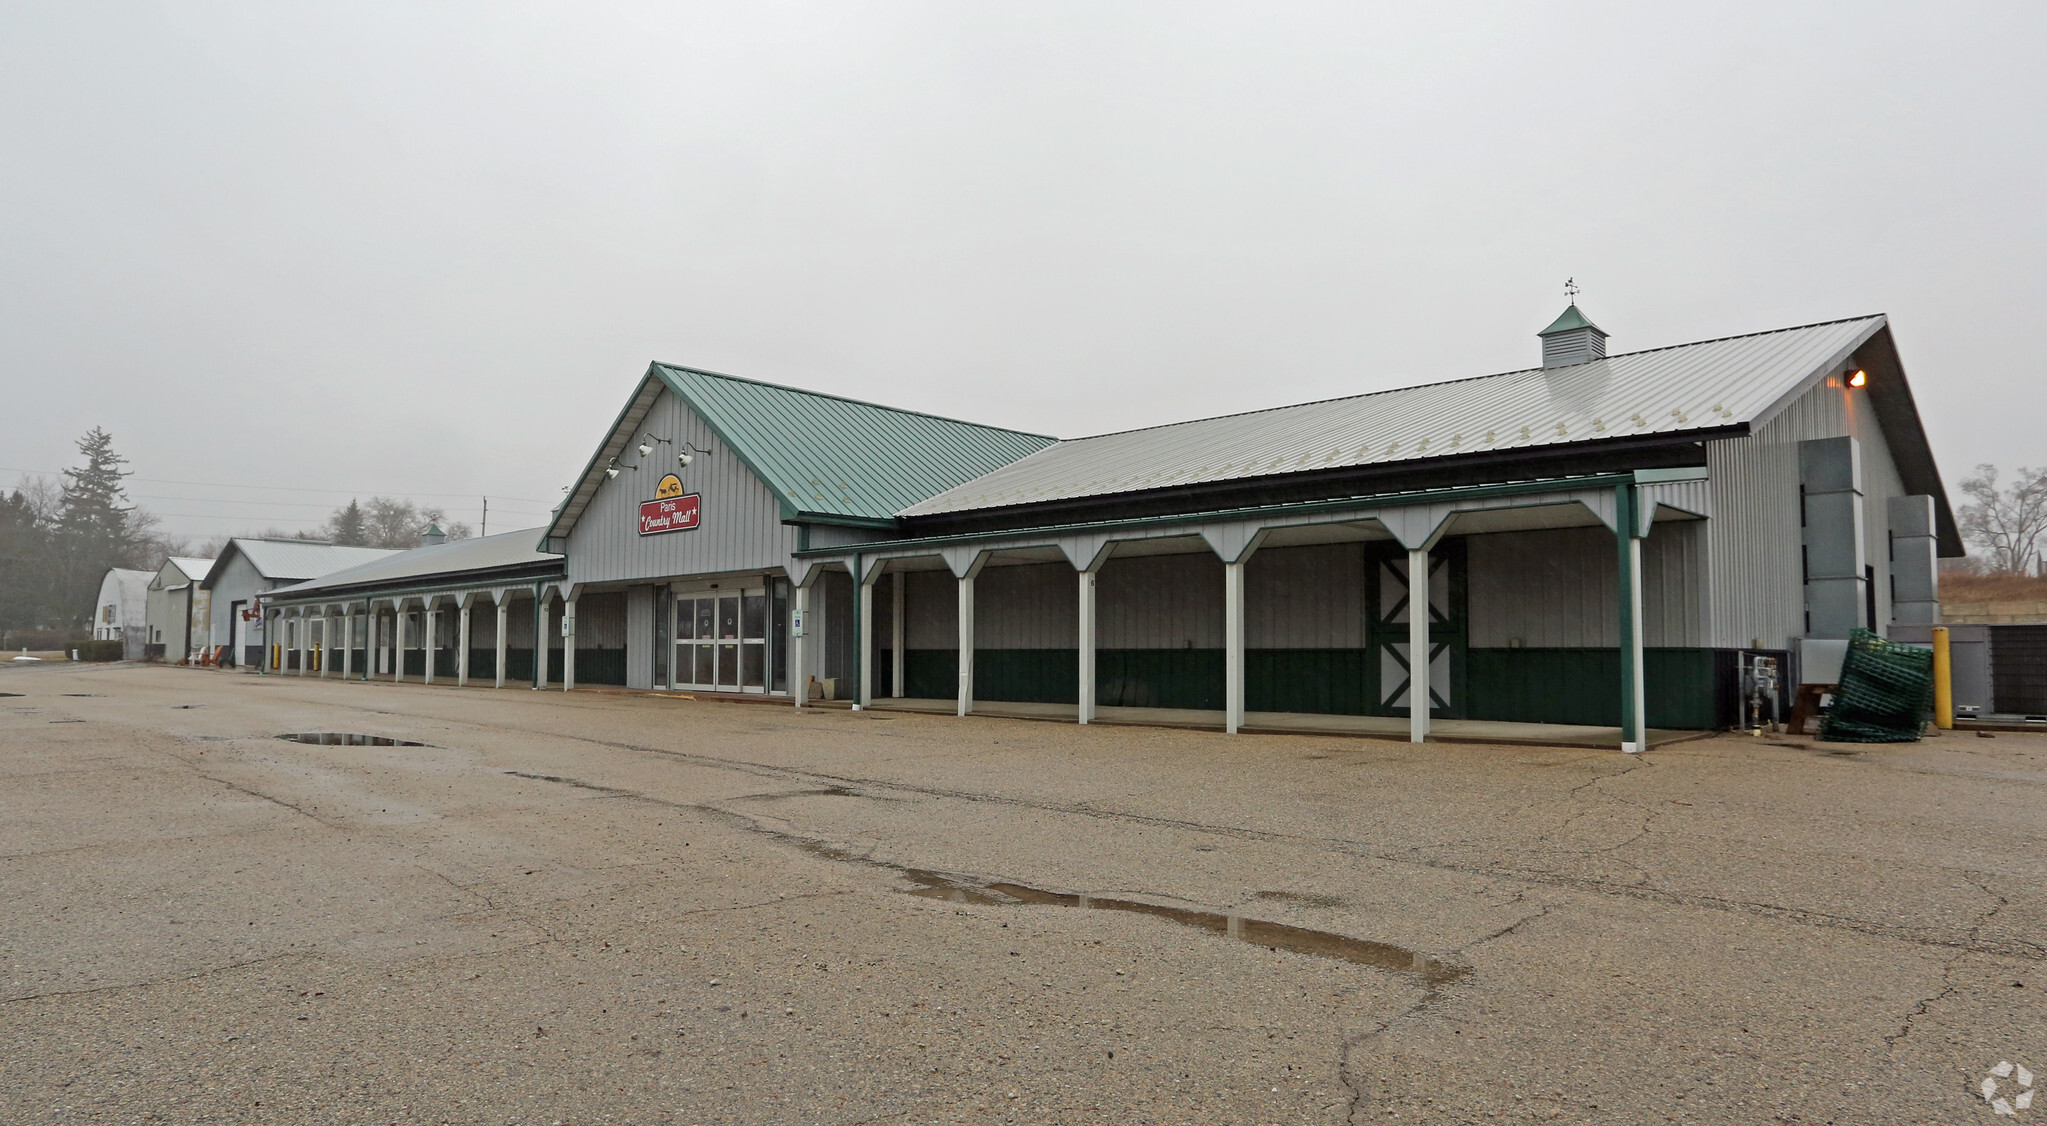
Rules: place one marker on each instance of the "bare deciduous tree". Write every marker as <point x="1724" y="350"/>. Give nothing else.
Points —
<point x="2007" y="524"/>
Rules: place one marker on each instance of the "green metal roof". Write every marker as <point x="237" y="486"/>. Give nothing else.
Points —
<point x="828" y="456"/>
<point x="826" y="459"/>
<point x="1569" y="319"/>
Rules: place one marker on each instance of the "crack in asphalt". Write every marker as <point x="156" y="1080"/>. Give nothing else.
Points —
<point x="171" y="979"/>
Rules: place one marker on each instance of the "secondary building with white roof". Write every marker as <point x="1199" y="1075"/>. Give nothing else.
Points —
<point x="1603" y="537"/>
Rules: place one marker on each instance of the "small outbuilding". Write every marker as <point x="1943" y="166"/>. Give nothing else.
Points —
<point x="122" y="612"/>
<point x="173" y="604"/>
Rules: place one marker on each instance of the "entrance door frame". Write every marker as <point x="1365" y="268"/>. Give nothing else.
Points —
<point x="682" y="649"/>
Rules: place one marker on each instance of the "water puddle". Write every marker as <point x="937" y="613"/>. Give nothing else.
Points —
<point x="1305" y="899"/>
<point x="347" y="739"/>
<point x="13" y="693"/>
<point x="955" y="888"/>
<point x="81" y="695"/>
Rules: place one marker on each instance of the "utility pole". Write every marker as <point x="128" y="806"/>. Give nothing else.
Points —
<point x="486" y="518"/>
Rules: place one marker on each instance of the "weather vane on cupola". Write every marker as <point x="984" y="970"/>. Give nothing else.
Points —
<point x="1571" y="290"/>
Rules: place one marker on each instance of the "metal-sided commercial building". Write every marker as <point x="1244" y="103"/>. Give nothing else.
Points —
<point x="1601" y="537"/>
<point x="245" y="571"/>
<point x="173" y="606"/>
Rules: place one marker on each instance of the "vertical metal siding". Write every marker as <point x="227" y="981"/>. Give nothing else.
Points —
<point x="931" y="610"/>
<point x="1032" y="606"/>
<point x="1560" y="588"/>
<point x="1160" y="602"/>
<point x="741" y="529"/>
<point x="1305" y="597"/>
<point x="1757" y="582"/>
<point x="639" y="632"/>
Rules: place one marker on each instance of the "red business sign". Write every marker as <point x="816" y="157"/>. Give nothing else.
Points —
<point x="674" y="514"/>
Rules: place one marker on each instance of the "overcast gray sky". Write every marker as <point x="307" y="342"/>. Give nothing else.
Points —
<point x="429" y="248"/>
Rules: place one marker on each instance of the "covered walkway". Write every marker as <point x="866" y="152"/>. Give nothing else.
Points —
<point x="1298" y="723"/>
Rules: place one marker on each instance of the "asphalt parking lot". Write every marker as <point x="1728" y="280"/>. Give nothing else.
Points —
<point x="610" y="908"/>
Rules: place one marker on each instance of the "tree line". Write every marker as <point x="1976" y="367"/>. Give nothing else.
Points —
<point x="58" y="538"/>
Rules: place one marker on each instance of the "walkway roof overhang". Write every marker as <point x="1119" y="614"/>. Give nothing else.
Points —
<point x="505" y="559"/>
<point x="1678" y="493"/>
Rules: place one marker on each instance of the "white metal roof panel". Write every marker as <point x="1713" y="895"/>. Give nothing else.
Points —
<point x="1702" y="386"/>
<point x="300" y="559"/>
<point x="192" y="568"/>
<point x="453" y="559"/>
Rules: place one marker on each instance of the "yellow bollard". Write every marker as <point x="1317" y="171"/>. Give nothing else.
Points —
<point x="1943" y="681"/>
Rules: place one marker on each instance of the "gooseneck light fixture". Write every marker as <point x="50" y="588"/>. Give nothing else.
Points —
<point x="611" y="468"/>
<point x="647" y="442"/>
<point x="683" y="457"/>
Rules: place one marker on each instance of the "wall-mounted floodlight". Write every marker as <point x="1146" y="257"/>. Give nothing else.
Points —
<point x="683" y="458"/>
<point x="611" y="468"/>
<point x="647" y="443"/>
<point x="1858" y="378"/>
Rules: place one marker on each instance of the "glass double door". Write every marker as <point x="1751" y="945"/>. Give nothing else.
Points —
<point x="721" y="640"/>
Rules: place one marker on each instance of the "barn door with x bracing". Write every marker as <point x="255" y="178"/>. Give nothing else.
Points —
<point x="1387" y="597"/>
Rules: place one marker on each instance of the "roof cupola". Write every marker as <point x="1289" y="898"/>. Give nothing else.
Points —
<point x="432" y="536"/>
<point x="1572" y="339"/>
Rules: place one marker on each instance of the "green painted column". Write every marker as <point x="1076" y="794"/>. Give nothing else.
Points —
<point x="1634" y="703"/>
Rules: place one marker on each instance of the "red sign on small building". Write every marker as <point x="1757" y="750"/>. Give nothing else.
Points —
<point x="673" y="514"/>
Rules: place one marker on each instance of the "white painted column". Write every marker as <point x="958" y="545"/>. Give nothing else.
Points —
<point x="398" y="644"/>
<point x="504" y="616"/>
<point x="799" y="645"/>
<point x="1418" y="645"/>
<point x="568" y="644"/>
<point x="462" y="654"/>
<point x="1635" y="705"/>
<point x="1233" y="646"/>
<point x="863" y="693"/>
<point x="305" y="642"/>
<point x="347" y="641"/>
<point x="966" y="670"/>
<point x="429" y="622"/>
<point x="1086" y="647"/>
<point x="895" y="633"/>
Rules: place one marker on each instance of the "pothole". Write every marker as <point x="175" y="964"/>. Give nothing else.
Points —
<point x="956" y="888"/>
<point x="347" y="739"/>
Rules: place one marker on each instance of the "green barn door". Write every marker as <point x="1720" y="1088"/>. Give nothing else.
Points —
<point x="1387" y="607"/>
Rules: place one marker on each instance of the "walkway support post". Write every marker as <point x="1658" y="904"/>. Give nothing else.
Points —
<point x="1086" y="645"/>
<point x="966" y="565"/>
<point x="569" y="642"/>
<point x="865" y="574"/>
<point x="462" y="644"/>
<point x="896" y="625"/>
<point x="1418" y="697"/>
<point x="1634" y="696"/>
<point x="1233" y="646"/>
<point x="305" y="641"/>
<point x="347" y="641"/>
<point x="398" y="641"/>
<point x="504" y="600"/>
<point x="430" y="622"/>
<point x="799" y="645"/>
<point x="326" y="640"/>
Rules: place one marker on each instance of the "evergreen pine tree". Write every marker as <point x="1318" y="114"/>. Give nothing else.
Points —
<point x="348" y="527"/>
<point x="24" y="547"/>
<point x="94" y="530"/>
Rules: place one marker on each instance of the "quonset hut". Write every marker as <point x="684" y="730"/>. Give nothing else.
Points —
<point x="1601" y="537"/>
